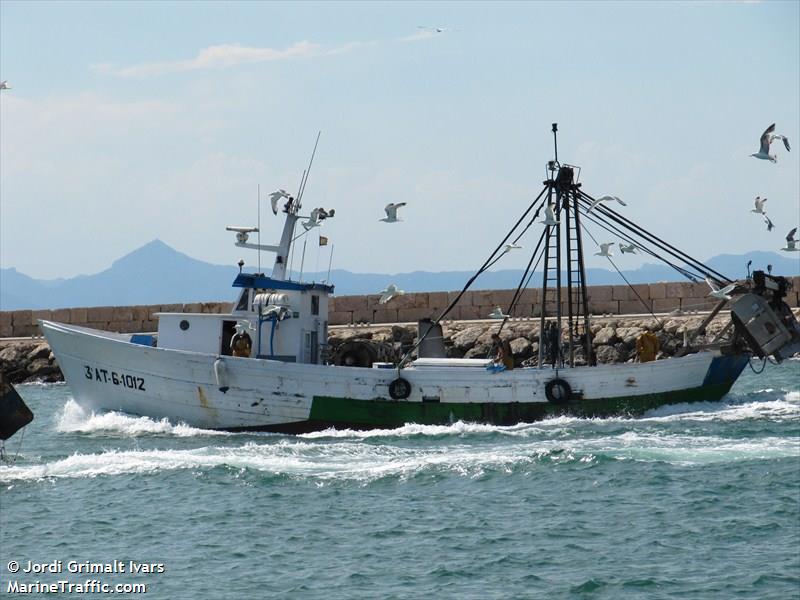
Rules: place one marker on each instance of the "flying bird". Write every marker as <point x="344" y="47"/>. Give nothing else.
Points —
<point x="435" y="29"/>
<point x="718" y="292"/>
<point x="275" y="197"/>
<point x="604" y="249"/>
<point x="549" y="216"/>
<point x="791" y="242"/>
<point x="770" y="224"/>
<point x="766" y="139"/>
<point x="390" y="292"/>
<point x="632" y="249"/>
<point x="604" y="199"/>
<point x="509" y="247"/>
<point x="759" y="209"/>
<point x="497" y="313"/>
<point x="317" y="216"/>
<point x="391" y="212"/>
<point x="4" y="85"/>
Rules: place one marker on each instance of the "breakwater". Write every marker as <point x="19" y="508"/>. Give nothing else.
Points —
<point x="658" y="298"/>
<point x="613" y="340"/>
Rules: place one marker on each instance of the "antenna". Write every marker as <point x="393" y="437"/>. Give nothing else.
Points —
<point x="258" y="205"/>
<point x="307" y="172"/>
<point x="555" y="140"/>
<point x="330" y="262"/>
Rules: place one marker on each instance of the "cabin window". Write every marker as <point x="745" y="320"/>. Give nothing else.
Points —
<point x="184" y="325"/>
<point x="314" y="304"/>
<point x="242" y="304"/>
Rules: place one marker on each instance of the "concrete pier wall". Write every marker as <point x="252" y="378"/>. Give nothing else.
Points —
<point x="344" y="310"/>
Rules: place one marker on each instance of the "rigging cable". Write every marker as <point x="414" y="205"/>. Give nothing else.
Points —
<point x="613" y="230"/>
<point x="624" y="278"/>
<point x="489" y="261"/>
<point x="609" y="213"/>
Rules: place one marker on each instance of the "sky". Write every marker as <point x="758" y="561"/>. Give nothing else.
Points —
<point x="131" y="121"/>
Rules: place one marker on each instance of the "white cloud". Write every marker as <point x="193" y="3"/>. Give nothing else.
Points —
<point x="231" y="55"/>
<point x="216" y="57"/>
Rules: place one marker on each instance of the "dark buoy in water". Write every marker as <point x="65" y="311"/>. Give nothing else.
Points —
<point x="14" y="413"/>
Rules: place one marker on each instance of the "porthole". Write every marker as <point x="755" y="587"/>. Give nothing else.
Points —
<point x="184" y="325"/>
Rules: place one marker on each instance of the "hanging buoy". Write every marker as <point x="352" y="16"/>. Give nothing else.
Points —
<point x="221" y="374"/>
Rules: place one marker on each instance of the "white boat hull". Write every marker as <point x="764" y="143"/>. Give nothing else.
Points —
<point x="107" y="372"/>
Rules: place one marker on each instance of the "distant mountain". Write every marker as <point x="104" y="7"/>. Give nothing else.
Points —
<point x="159" y="274"/>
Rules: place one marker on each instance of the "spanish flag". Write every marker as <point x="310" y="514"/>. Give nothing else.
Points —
<point x="323" y="241"/>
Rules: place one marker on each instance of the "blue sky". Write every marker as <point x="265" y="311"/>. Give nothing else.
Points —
<point x="134" y="121"/>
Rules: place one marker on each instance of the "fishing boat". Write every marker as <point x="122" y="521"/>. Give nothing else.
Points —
<point x="262" y="366"/>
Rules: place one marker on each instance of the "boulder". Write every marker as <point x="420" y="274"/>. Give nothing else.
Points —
<point x="607" y="354"/>
<point x="521" y="347"/>
<point x="464" y="340"/>
<point x="39" y="351"/>
<point x="607" y="335"/>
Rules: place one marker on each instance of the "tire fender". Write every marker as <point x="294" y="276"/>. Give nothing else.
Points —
<point x="400" y="389"/>
<point x="557" y="391"/>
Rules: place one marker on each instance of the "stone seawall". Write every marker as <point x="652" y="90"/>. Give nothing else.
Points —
<point x="659" y="298"/>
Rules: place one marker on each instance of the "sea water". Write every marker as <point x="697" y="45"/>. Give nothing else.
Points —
<point x="689" y="501"/>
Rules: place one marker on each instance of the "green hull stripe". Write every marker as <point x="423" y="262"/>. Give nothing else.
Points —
<point x="391" y="413"/>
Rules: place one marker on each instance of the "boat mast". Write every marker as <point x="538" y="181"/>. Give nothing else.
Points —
<point x="562" y="194"/>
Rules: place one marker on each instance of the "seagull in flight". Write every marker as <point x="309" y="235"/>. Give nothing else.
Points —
<point x="435" y="29"/>
<point x="497" y="313"/>
<point x="509" y="247"/>
<point x="766" y="139"/>
<point x="718" y="292"/>
<point x="4" y="85"/>
<point x="770" y="224"/>
<point x="632" y="249"/>
<point x="390" y="292"/>
<point x="275" y="197"/>
<point x="549" y="216"/>
<point x="604" y="199"/>
<point x="791" y="242"/>
<point x="391" y="212"/>
<point x="604" y="249"/>
<point x="759" y="209"/>
<point x="317" y="216"/>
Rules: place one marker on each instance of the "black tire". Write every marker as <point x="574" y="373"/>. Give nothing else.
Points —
<point x="399" y="389"/>
<point x="557" y="391"/>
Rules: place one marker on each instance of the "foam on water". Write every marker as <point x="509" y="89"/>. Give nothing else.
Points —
<point x="355" y="460"/>
<point x="75" y="419"/>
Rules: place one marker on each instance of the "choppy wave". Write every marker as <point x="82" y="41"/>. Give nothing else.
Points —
<point x="354" y="460"/>
<point x="74" y="419"/>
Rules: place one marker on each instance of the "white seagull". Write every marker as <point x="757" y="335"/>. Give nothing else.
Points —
<point x="391" y="212"/>
<point x="390" y="292"/>
<point x="791" y="242"/>
<point x="275" y="197"/>
<point x="509" y="247"/>
<point x="435" y="29"/>
<point x="628" y="249"/>
<point x="604" y="199"/>
<point x="759" y="209"/>
<point x="549" y="216"/>
<point x="718" y="292"/>
<point x="4" y="85"/>
<point x="770" y="224"/>
<point x="317" y="216"/>
<point x="766" y="139"/>
<point x="497" y="313"/>
<point x="604" y="249"/>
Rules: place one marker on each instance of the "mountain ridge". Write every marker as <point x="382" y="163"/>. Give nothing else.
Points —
<point x="156" y="273"/>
